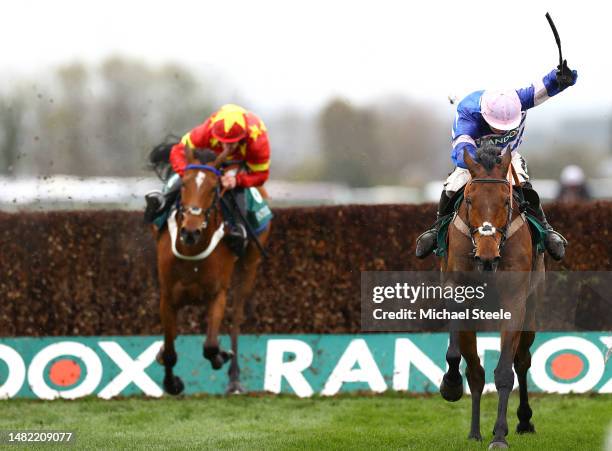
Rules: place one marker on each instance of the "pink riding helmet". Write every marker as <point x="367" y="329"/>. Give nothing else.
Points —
<point x="501" y="109"/>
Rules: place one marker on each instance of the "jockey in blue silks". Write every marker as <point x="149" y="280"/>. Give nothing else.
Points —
<point x="497" y="117"/>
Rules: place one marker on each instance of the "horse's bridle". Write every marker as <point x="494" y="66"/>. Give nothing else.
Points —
<point x="487" y="229"/>
<point x="197" y="211"/>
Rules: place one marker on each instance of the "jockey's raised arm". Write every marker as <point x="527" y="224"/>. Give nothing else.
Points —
<point x="543" y="89"/>
<point x="504" y="109"/>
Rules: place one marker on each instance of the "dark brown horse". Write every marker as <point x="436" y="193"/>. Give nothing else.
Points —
<point x="196" y="267"/>
<point x="488" y="234"/>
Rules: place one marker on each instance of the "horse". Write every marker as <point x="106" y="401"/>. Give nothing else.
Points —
<point x="195" y="266"/>
<point x="490" y="234"/>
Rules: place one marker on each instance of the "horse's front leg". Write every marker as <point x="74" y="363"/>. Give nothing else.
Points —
<point x="451" y="387"/>
<point x="245" y="280"/>
<point x="504" y="381"/>
<point x="212" y="351"/>
<point x="476" y="379"/>
<point x="234" y="386"/>
<point x="167" y="354"/>
<point x="522" y="362"/>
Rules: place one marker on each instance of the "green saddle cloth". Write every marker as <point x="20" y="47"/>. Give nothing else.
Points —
<point x="538" y="232"/>
<point x="258" y="210"/>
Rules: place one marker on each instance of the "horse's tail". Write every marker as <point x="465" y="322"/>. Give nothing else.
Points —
<point x="159" y="157"/>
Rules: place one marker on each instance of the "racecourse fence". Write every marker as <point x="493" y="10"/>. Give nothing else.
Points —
<point x="94" y="273"/>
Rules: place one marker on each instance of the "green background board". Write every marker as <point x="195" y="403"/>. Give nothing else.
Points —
<point x="199" y="377"/>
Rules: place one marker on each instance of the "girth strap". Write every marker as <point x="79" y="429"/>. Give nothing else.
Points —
<point x="516" y="224"/>
<point x="461" y="225"/>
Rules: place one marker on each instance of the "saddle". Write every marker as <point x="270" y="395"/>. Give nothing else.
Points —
<point x="528" y="203"/>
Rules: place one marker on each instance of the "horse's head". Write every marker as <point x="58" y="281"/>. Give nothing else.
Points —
<point x="200" y="194"/>
<point x="488" y="198"/>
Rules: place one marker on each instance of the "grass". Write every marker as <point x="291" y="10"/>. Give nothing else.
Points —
<point x="389" y="421"/>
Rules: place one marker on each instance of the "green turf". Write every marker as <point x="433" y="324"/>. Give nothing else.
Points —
<point x="390" y="421"/>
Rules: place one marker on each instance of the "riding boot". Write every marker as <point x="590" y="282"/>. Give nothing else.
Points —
<point x="236" y="235"/>
<point x="427" y="241"/>
<point x="155" y="200"/>
<point x="555" y="242"/>
<point x="159" y="202"/>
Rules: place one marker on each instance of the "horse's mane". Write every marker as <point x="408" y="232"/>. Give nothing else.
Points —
<point x="488" y="156"/>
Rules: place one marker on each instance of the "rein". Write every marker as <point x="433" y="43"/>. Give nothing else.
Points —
<point x="204" y="167"/>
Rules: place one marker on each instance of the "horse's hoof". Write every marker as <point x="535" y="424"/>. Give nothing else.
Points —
<point x="475" y="437"/>
<point x="221" y="359"/>
<point x="525" y="428"/>
<point x="174" y="386"/>
<point x="235" y="388"/>
<point x="497" y="444"/>
<point x="451" y="390"/>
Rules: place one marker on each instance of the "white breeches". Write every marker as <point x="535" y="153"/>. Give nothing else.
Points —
<point x="460" y="176"/>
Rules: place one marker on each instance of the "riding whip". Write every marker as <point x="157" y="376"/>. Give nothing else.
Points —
<point x="562" y="76"/>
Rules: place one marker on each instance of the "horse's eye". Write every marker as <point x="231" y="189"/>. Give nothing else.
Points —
<point x="468" y="200"/>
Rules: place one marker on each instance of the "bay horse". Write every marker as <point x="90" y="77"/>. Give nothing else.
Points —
<point x="195" y="266"/>
<point x="489" y="233"/>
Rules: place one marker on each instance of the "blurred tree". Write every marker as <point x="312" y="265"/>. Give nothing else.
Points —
<point x="392" y="142"/>
<point x="141" y="105"/>
<point x="414" y="144"/>
<point x="293" y="135"/>
<point x="98" y="121"/>
<point x="550" y="162"/>
<point x="69" y="116"/>
<point x="348" y="143"/>
<point x="11" y="126"/>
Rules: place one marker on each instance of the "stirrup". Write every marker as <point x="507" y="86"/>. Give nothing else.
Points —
<point x="555" y="244"/>
<point x="565" y="242"/>
<point x="424" y="248"/>
<point x="157" y="195"/>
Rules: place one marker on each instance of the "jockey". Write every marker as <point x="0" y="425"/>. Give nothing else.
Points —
<point x="496" y="117"/>
<point x="238" y="132"/>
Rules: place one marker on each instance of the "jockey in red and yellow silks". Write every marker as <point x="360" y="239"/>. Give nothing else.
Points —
<point x="231" y="125"/>
<point x="242" y="137"/>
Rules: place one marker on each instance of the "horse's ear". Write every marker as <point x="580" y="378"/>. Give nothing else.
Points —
<point x="217" y="162"/>
<point x="469" y="162"/>
<point x="506" y="161"/>
<point x="221" y="157"/>
<point x="190" y="154"/>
